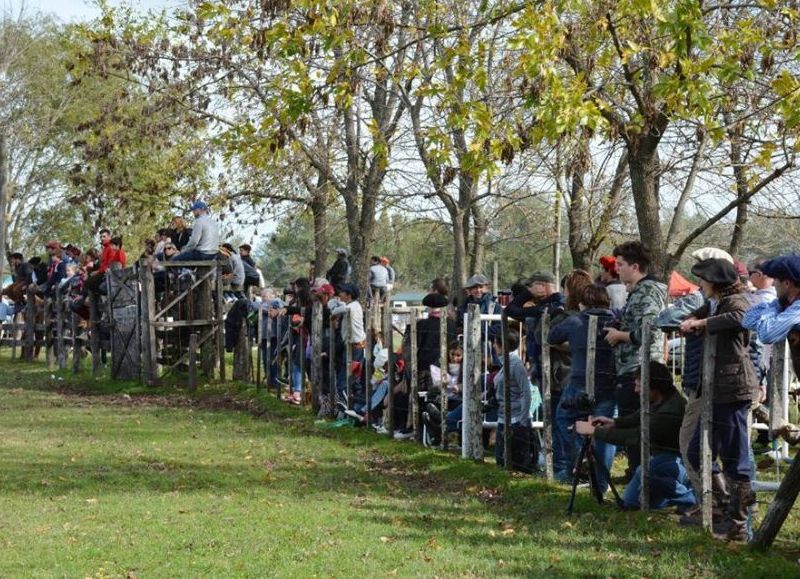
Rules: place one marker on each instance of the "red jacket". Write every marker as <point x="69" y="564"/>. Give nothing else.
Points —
<point x="110" y="255"/>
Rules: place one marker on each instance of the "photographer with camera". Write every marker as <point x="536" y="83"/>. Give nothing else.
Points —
<point x="593" y="301"/>
<point x="669" y="484"/>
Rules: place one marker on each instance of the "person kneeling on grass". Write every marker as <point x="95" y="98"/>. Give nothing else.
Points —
<point x="669" y="483"/>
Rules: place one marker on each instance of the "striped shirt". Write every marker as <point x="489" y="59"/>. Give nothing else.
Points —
<point x="770" y="324"/>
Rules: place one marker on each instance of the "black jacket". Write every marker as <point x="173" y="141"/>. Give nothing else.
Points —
<point x="337" y="274"/>
<point x="429" y="343"/>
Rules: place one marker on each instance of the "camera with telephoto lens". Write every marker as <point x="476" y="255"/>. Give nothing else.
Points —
<point x="582" y="404"/>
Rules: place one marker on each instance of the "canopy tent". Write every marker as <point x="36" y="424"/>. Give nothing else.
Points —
<point x="680" y="286"/>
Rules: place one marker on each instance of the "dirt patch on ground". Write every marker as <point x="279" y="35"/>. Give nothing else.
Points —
<point x="212" y="402"/>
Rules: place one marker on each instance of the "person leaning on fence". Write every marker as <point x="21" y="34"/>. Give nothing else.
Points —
<point x="774" y="321"/>
<point x="353" y="333"/>
<point x="269" y="334"/>
<point x="573" y="333"/>
<point x="669" y="484"/>
<point x="646" y="298"/>
<point x="735" y="388"/>
<point x="669" y="319"/>
<point x="203" y="244"/>
<point x="477" y="291"/>
<point x="519" y="390"/>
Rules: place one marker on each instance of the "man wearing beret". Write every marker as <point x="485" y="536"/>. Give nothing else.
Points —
<point x="772" y="321"/>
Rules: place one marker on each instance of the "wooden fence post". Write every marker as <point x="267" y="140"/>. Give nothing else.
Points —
<point x="29" y="335"/>
<point x="317" y="337"/>
<point x="220" y="330"/>
<point x="707" y="397"/>
<point x="779" y="508"/>
<point x="388" y="339"/>
<point x="48" y="335"/>
<point x="147" y="298"/>
<point x="779" y="392"/>
<point x="443" y="378"/>
<point x="472" y="415"/>
<point x="241" y="354"/>
<point x="61" y="350"/>
<point x="368" y="362"/>
<point x="332" y="370"/>
<point x="259" y="338"/>
<point x="644" y="414"/>
<point x="507" y="386"/>
<point x="94" y="334"/>
<point x="348" y="351"/>
<point x="77" y="345"/>
<point x="413" y="370"/>
<point x="591" y="356"/>
<point x="193" y="362"/>
<point x="547" y="399"/>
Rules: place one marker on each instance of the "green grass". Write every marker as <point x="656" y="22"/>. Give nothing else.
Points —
<point x="112" y="485"/>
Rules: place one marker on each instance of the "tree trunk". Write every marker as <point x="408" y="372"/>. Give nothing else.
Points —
<point x="478" y="238"/>
<point x="740" y="175"/>
<point x="3" y="201"/>
<point x="645" y="166"/>
<point x="577" y="210"/>
<point x="459" y="253"/>
<point x="319" y="208"/>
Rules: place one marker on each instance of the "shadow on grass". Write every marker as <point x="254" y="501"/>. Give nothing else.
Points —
<point x="452" y="499"/>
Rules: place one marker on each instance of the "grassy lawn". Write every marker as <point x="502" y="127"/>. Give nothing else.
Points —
<point x="160" y="485"/>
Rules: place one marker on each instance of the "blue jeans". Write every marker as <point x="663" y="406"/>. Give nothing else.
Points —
<point x="378" y="394"/>
<point x="669" y="484"/>
<point x="194" y="255"/>
<point x="730" y="440"/>
<point x="603" y="451"/>
<point x="297" y="377"/>
<point x="571" y="442"/>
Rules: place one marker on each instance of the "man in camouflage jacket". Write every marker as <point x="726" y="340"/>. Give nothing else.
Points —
<point x="646" y="298"/>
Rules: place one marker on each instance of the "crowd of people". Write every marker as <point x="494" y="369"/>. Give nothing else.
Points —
<point x="747" y="307"/>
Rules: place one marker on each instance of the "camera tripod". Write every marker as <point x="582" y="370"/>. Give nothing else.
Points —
<point x="587" y="454"/>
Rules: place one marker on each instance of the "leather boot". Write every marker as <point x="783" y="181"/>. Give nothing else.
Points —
<point x="720" y="498"/>
<point x="743" y="499"/>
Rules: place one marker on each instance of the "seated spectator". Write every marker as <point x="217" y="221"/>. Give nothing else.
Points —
<point x="513" y="382"/>
<point x="236" y="276"/>
<point x="669" y="484"/>
<point x="179" y="232"/>
<point x="203" y="244"/>
<point x="56" y="269"/>
<point x="378" y="279"/>
<point x="22" y="276"/>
